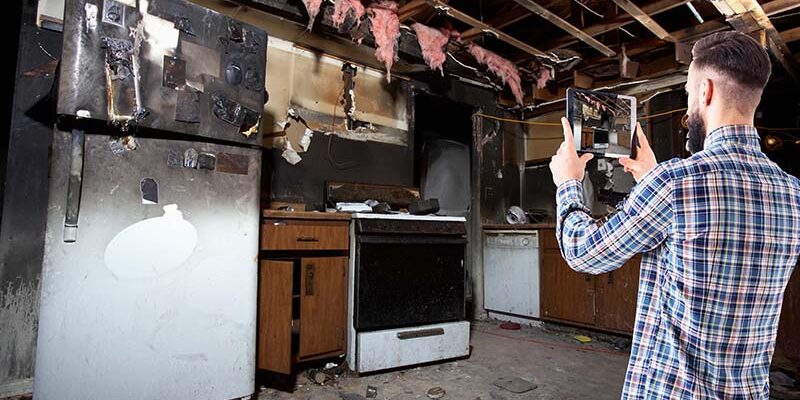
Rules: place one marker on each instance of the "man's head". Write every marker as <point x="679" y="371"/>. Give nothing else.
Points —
<point x="726" y="78"/>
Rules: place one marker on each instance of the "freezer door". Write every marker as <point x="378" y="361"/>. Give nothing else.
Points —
<point x="154" y="295"/>
<point x="164" y="64"/>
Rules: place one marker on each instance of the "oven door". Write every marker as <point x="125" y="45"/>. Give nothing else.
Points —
<point x="404" y="280"/>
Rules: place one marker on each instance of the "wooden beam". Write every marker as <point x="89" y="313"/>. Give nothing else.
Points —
<point x="412" y="9"/>
<point x="735" y="8"/>
<point x="566" y="26"/>
<point x="686" y="36"/>
<point x="513" y="15"/>
<point x="791" y="35"/>
<point x="644" y="19"/>
<point x="779" y="6"/>
<point x="618" y="21"/>
<point x="465" y="18"/>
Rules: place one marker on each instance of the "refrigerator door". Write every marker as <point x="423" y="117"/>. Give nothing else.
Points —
<point x="152" y="295"/>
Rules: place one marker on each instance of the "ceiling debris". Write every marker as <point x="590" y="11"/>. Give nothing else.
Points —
<point x="432" y="42"/>
<point x="342" y="9"/>
<point x="312" y="7"/>
<point x="503" y="68"/>
<point x="386" y="30"/>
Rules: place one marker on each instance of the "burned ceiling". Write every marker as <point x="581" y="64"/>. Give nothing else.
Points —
<point x="553" y="44"/>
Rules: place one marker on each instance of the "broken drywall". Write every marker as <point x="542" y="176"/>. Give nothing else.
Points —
<point x="305" y="87"/>
<point x="503" y="68"/>
<point x="386" y="30"/>
<point x="431" y="42"/>
<point x="19" y="311"/>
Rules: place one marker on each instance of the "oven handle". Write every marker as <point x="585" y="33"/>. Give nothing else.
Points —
<point x="405" y="239"/>
<point x="420" y="333"/>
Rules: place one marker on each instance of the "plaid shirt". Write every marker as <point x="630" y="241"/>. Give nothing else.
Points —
<point x="720" y="233"/>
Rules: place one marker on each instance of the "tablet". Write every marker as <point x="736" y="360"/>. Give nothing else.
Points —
<point x="603" y="124"/>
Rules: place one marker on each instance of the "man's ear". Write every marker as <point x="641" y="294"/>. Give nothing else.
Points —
<point x="706" y="91"/>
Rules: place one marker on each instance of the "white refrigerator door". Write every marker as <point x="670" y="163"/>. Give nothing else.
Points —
<point x="156" y="297"/>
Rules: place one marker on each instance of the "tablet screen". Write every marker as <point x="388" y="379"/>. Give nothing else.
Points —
<point x="602" y="123"/>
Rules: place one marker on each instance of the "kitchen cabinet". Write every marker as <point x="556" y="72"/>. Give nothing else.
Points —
<point x="302" y="303"/>
<point x="606" y="301"/>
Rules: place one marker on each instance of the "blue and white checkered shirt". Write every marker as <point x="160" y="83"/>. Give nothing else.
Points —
<point x="720" y="233"/>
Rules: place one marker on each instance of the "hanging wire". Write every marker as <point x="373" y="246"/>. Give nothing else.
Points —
<point x="644" y="117"/>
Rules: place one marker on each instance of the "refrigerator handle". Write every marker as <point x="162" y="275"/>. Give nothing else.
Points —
<point x="75" y="185"/>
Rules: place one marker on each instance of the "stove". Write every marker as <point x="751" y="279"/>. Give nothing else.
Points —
<point x="406" y="291"/>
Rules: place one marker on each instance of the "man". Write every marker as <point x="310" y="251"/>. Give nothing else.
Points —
<point x="720" y="233"/>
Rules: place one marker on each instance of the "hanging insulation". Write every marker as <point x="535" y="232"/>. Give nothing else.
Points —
<point x="386" y="30"/>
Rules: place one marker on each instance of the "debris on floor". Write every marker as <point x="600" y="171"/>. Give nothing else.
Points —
<point x="510" y="326"/>
<point x="372" y="392"/>
<point x="515" y="385"/>
<point x="436" y="393"/>
<point x="582" y="338"/>
<point x="549" y="360"/>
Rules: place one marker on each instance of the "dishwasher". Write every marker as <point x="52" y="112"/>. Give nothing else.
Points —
<point x="511" y="273"/>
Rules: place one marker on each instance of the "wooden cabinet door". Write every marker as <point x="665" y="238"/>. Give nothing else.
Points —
<point x="323" y="306"/>
<point x="566" y="295"/>
<point x="616" y="297"/>
<point x="275" y="316"/>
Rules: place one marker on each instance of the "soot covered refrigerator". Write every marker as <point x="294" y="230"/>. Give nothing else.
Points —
<point x="149" y="279"/>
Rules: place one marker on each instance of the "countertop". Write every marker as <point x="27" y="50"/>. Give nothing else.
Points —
<point x="315" y="215"/>
<point x="519" y="227"/>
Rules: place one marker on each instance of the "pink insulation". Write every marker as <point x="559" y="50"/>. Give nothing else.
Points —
<point x="343" y="7"/>
<point x="386" y="30"/>
<point x="312" y="7"/>
<point x="432" y="42"/>
<point x="542" y="77"/>
<point x="501" y="67"/>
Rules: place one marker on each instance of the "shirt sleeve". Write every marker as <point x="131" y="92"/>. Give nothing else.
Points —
<point x="596" y="246"/>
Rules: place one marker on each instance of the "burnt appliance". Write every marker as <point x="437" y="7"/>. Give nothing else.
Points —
<point x="406" y="291"/>
<point x="150" y="265"/>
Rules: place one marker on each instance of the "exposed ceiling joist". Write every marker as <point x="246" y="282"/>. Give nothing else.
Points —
<point x="465" y="18"/>
<point x="735" y="8"/>
<point x="566" y="26"/>
<point x="412" y="9"/>
<point x="514" y="15"/>
<point x="791" y="35"/>
<point x="618" y="22"/>
<point x="644" y="18"/>
<point x="779" y="6"/>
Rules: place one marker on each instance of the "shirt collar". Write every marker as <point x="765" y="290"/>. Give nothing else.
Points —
<point x="745" y="135"/>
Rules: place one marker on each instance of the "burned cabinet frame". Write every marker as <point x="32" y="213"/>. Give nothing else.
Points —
<point x="169" y="65"/>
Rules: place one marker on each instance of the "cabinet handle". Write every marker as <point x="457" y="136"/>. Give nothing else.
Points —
<point x="310" y="280"/>
<point x="279" y="223"/>
<point x="420" y="334"/>
<point x="307" y="239"/>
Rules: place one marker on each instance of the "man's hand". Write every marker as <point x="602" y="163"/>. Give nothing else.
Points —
<point x="645" y="159"/>
<point x="566" y="164"/>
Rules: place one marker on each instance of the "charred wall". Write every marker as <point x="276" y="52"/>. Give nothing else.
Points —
<point x="25" y="184"/>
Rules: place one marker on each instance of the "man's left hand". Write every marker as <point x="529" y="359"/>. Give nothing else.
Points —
<point x="566" y="164"/>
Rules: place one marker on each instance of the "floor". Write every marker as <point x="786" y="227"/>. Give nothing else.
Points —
<point x="548" y="356"/>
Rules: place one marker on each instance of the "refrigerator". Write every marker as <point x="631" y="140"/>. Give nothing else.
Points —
<point x="149" y="280"/>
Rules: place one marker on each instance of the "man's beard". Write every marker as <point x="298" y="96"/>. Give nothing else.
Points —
<point x="696" y="137"/>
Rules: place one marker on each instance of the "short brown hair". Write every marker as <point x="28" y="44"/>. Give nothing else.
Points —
<point x="736" y="55"/>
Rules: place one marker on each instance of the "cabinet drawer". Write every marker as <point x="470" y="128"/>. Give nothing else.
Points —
<point x="277" y="234"/>
<point x="408" y="346"/>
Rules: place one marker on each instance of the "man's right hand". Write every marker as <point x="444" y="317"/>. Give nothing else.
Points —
<point x="645" y="159"/>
